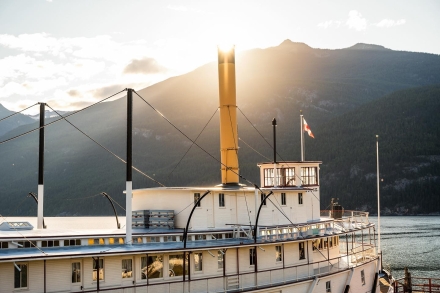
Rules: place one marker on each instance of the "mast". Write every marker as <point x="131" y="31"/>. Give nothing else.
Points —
<point x="378" y="195"/>
<point x="129" y="183"/>
<point x="228" y="117"/>
<point x="40" y="224"/>
<point x="302" y="135"/>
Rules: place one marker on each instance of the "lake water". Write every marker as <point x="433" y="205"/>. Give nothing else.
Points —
<point x="412" y="242"/>
<point x="405" y="241"/>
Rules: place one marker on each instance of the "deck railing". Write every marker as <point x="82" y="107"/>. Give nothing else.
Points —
<point x="247" y="281"/>
<point x="428" y="285"/>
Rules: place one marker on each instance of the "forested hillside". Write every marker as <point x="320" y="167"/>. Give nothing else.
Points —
<point x="344" y="95"/>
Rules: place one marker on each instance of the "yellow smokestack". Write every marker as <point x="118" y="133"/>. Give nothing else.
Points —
<point x="228" y="116"/>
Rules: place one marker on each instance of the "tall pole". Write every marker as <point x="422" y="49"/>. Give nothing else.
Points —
<point x="302" y="136"/>
<point x="40" y="220"/>
<point x="274" y="126"/>
<point x="129" y="183"/>
<point x="378" y="195"/>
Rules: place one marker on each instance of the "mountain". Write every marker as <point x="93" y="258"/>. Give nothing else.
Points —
<point x="13" y="122"/>
<point x="275" y="82"/>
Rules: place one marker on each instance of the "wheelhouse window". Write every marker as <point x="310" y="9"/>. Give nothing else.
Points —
<point x="300" y="198"/>
<point x="20" y="275"/>
<point x="76" y="272"/>
<point x="252" y="256"/>
<point x="152" y="267"/>
<point x="98" y="266"/>
<point x="283" y="198"/>
<point x="127" y="268"/>
<point x="278" y="253"/>
<point x="302" y="251"/>
<point x="196" y="198"/>
<point x="198" y="262"/>
<point x="309" y="175"/>
<point x="283" y="177"/>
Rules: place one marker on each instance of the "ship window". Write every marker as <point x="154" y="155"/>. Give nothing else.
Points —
<point x="20" y="275"/>
<point x="196" y="198"/>
<point x="200" y="237"/>
<point x="121" y="240"/>
<point x="262" y="199"/>
<point x="175" y="265"/>
<point x="26" y="244"/>
<point x="302" y="252"/>
<point x="320" y="244"/>
<point x="325" y="243"/>
<point x="72" y="242"/>
<point x="137" y="240"/>
<point x="252" y="256"/>
<point x="198" y="262"/>
<point x="309" y="176"/>
<point x="300" y="198"/>
<point x="221" y="199"/>
<point x="98" y="264"/>
<point x="363" y="277"/>
<point x="283" y="198"/>
<point x="330" y="242"/>
<point x="220" y="259"/>
<point x="76" y="272"/>
<point x="315" y="244"/>
<point x="152" y="267"/>
<point x="278" y="253"/>
<point x="50" y="243"/>
<point x="328" y="286"/>
<point x="228" y="235"/>
<point x="127" y="268"/>
<point x="3" y="245"/>
<point x="283" y="177"/>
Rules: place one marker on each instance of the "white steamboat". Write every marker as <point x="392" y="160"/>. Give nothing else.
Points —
<point x="230" y="238"/>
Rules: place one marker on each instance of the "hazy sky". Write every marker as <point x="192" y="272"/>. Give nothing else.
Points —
<point x="70" y="53"/>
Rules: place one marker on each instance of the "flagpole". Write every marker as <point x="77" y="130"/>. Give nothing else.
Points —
<point x="302" y="135"/>
<point x="378" y="195"/>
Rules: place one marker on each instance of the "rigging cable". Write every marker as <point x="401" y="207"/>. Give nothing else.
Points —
<point x="254" y="149"/>
<point x="4" y="118"/>
<point x="103" y="147"/>
<point x="193" y="143"/>
<point x="57" y="120"/>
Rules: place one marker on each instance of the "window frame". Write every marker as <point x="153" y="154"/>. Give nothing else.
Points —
<point x="302" y="250"/>
<point x="23" y="275"/>
<point x="129" y="265"/>
<point x="198" y="261"/>
<point x="221" y="200"/>
<point x="278" y="253"/>
<point x="196" y="198"/>
<point x="300" y="198"/>
<point x="98" y="270"/>
<point x="252" y="256"/>
<point x="309" y="176"/>
<point x="264" y="201"/>
<point x="328" y="286"/>
<point x="76" y="272"/>
<point x="363" y="277"/>
<point x="283" y="199"/>
<point x="220" y="259"/>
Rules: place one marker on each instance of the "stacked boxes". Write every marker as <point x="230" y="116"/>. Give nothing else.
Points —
<point x="146" y="219"/>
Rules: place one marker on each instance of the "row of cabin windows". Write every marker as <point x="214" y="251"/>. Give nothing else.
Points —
<point x="325" y="243"/>
<point x="286" y="176"/>
<point x="283" y="199"/>
<point x="221" y="199"/>
<point x="152" y="266"/>
<point x="44" y="243"/>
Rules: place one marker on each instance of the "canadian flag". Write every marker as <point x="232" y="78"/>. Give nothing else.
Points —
<point x="307" y="129"/>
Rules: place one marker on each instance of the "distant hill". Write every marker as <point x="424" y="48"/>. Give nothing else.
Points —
<point x="13" y="122"/>
<point x="328" y="85"/>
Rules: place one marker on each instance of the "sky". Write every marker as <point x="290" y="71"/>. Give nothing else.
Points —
<point x="72" y="53"/>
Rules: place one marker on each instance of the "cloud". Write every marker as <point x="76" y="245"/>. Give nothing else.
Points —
<point x="355" y="21"/>
<point x="73" y="93"/>
<point x="144" y="66"/>
<point x="106" y="91"/>
<point x="389" y="23"/>
<point x="329" y="23"/>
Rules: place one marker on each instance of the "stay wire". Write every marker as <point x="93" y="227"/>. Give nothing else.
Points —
<point x="196" y="144"/>
<point x="254" y="149"/>
<point x="103" y="147"/>
<point x="57" y="120"/>
<point x="24" y="237"/>
<point x="175" y="167"/>
<point x="232" y="129"/>
<point x="4" y="118"/>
